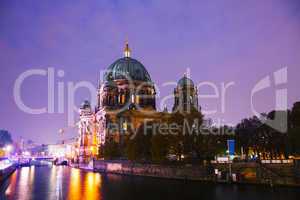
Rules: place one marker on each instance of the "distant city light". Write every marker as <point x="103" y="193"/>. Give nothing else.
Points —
<point x="5" y="164"/>
<point x="26" y="153"/>
<point x="8" y="148"/>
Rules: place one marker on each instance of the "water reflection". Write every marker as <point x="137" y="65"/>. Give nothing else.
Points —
<point x="92" y="184"/>
<point x="22" y="182"/>
<point x="84" y="185"/>
<point x="13" y="182"/>
<point x="75" y="185"/>
<point x="56" y="182"/>
<point x="52" y="183"/>
<point x="60" y="183"/>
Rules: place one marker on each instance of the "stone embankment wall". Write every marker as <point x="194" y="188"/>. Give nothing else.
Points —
<point x="173" y="172"/>
<point x="5" y="173"/>
<point x="252" y="172"/>
<point x="255" y="173"/>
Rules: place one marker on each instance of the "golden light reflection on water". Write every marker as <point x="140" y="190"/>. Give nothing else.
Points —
<point x="75" y="185"/>
<point x="92" y="184"/>
<point x="31" y="174"/>
<point x="84" y="185"/>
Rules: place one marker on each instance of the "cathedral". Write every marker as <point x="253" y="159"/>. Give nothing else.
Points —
<point x="125" y="99"/>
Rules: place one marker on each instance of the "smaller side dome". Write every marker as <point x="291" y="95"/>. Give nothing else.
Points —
<point x="86" y="104"/>
<point x="185" y="82"/>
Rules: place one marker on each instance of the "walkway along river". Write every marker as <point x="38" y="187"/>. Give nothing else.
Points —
<point x="62" y="182"/>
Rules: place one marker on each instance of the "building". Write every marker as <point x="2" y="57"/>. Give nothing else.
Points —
<point x="125" y="100"/>
<point x="89" y="138"/>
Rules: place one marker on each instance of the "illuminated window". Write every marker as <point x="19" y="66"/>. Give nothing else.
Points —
<point x="124" y="126"/>
<point x="122" y="99"/>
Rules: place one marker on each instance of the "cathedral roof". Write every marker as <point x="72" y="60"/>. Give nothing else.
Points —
<point x="127" y="68"/>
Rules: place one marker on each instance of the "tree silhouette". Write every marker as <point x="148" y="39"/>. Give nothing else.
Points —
<point x="5" y="138"/>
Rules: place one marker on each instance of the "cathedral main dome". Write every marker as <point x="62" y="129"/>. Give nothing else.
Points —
<point x="127" y="68"/>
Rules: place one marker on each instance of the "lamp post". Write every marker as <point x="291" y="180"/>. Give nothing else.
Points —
<point x="230" y="170"/>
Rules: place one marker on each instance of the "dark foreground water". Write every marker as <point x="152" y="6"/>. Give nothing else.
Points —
<point x="58" y="182"/>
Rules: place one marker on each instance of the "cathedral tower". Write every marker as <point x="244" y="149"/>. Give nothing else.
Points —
<point x="185" y="96"/>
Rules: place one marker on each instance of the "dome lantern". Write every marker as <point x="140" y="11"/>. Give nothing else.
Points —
<point x="127" y="50"/>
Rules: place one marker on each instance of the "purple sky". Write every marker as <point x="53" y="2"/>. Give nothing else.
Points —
<point x="220" y="41"/>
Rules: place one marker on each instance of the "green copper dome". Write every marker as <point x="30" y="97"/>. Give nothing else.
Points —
<point x="127" y="68"/>
<point x="185" y="81"/>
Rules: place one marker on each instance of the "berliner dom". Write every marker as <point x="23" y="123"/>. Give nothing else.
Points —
<point x="125" y="100"/>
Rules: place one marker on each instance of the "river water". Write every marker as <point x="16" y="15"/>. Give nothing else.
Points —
<point x="60" y="182"/>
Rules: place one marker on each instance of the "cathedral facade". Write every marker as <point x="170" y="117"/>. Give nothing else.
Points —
<point x="125" y="99"/>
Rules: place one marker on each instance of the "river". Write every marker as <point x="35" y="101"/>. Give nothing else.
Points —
<point x="61" y="182"/>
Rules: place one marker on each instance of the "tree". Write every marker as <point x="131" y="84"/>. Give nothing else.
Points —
<point x="159" y="147"/>
<point x="138" y="147"/>
<point x="261" y="137"/>
<point x="111" y="149"/>
<point x="294" y="130"/>
<point x="181" y="141"/>
<point x="294" y="141"/>
<point x="246" y="133"/>
<point x="175" y="138"/>
<point x="5" y="138"/>
<point x="210" y="145"/>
